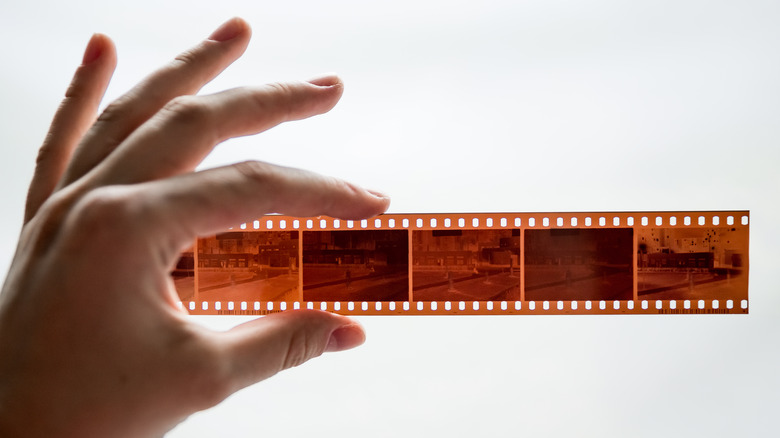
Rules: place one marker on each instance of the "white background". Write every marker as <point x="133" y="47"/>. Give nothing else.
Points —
<point x="455" y="106"/>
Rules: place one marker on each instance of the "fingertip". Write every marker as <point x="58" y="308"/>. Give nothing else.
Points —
<point x="230" y="30"/>
<point x="380" y="202"/>
<point x="357" y="203"/>
<point x="327" y="93"/>
<point x="327" y="80"/>
<point x="385" y="204"/>
<point x="247" y="28"/>
<point x="329" y="85"/>
<point x="381" y="197"/>
<point x="109" y="52"/>
<point x="346" y="337"/>
<point x="99" y="46"/>
<point x="308" y="98"/>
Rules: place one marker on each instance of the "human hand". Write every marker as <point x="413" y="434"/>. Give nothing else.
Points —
<point x="92" y="340"/>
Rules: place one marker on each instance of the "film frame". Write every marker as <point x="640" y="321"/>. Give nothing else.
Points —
<point x="589" y="263"/>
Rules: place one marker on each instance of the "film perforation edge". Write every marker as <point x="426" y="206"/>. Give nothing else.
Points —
<point x="529" y="263"/>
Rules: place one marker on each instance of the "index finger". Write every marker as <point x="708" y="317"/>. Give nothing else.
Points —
<point x="203" y="203"/>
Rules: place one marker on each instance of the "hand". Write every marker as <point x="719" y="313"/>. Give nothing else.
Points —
<point x="92" y="341"/>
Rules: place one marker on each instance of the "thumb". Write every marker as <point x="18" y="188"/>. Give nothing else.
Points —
<point x="261" y="348"/>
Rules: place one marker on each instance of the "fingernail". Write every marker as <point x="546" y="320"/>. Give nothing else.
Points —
<point x="346" y="337"/>
<point x="328" y="80"/>
<point x="93" y="51"/>
<point x="378" y="194"/>
<point x="229" y="30"/>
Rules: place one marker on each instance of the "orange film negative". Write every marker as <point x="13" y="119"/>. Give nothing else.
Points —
<point x="474" y="264"/>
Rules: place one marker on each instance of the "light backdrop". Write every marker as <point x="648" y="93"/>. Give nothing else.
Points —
<point x="455" y="106"/>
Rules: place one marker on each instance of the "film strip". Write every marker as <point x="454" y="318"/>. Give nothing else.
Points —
<point x="474" y="264"/>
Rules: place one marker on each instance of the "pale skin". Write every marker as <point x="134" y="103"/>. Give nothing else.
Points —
<point x="92" y="340"/>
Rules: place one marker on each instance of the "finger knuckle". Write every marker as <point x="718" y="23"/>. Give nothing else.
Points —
<point x="281" y="100"/>
<point x="256" y="172"/>
<point x="301" y="348"/>
<point x="77" y="87"/>
<point x="185" y="58"/>
<point x="188" y="111"/>
<point x="338" y="192"/>
<point x="106" y="209"/>
<point x="282" y="89"/>
<point x="115" y="111"/>
<point x="46" y="152"/>
<point x="339" y="185"/>
<point x="48" y="220"/>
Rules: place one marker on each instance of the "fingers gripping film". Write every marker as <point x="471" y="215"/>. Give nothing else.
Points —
<point x="213" y="200"/>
